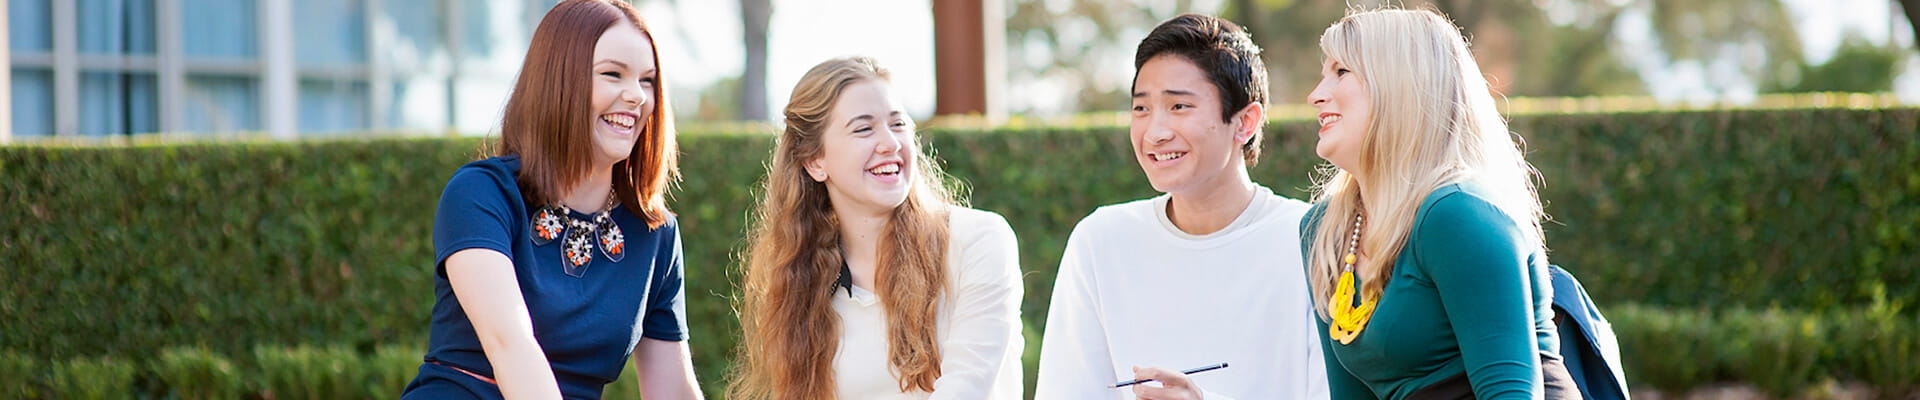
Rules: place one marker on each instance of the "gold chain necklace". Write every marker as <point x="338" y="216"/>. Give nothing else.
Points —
<point x="1348" y="318"/>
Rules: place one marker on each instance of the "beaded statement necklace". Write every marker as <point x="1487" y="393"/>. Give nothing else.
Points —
<point x="553" y="221"/>
<point x="1348" y="318"/>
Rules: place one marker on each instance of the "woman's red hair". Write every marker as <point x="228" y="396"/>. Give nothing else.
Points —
<point x="549" y="120"/>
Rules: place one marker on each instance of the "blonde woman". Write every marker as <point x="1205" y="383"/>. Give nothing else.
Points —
<point x="865" y="279"/>
<point x="1424" y="248"/>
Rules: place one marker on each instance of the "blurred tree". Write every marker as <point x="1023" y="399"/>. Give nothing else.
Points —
<point x="1857" y="66"/>
<point x="1526" y="47"/>
<point x="719" y="101"/>
<point x="1560" y="47"/>
<point x="1912" y="8"/>
<point x="1758" y="36"/>
<point x="1082" y="49"/>
<point x="754" y="17"/>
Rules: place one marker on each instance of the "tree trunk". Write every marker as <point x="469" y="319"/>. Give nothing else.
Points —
<point x="1912" y="8"/>
<point x="754" y="16"/>
<point x="1247" y="13"/>
<point x="1572" y="67"/>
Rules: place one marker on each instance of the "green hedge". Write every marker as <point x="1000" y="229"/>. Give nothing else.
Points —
<point x="1784" y="353"/>
<point x="113" y="252"/>
<point x="1814" y="209"/>
<point x="1787" y="354"/>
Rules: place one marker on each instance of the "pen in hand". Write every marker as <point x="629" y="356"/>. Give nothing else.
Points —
<point x="1186" y="372"/>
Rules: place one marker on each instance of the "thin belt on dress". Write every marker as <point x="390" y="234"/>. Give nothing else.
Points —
<point x="465" y="371"/>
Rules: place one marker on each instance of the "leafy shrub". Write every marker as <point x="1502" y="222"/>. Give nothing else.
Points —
<point x="309" y="372"/>
<point x="21" y="377"/>
<point x="328" y="243"/>
<point x="93" y="378"/>
<point x="196" y="373"/>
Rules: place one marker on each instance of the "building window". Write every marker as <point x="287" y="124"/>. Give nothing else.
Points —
<point x="119" y="103"/>
<point x="332" y="62"/>
<point x="333" y="106"/>
<point x="27" y="27"/>
<point x="32" y="102"/>
<point x="330" y="33"/>
<point x="116" y="27"/>
<point x="223" y="29"/>
<point x="420" y="63"/>
<point x="221" y="104"/>
<point x="300" y="67"/>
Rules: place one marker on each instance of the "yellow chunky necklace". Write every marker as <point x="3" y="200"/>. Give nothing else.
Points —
<point x="1349" y="319"/>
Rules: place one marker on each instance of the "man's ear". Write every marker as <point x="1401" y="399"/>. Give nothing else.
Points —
<point x="1248" y="122"/>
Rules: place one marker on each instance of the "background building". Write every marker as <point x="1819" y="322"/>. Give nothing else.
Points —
<point x="287" y="68"/>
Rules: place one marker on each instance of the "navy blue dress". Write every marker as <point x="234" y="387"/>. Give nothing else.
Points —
<point x="587" y="325"/>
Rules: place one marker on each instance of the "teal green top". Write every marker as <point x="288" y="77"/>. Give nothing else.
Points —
<point x="1470" y="293"/>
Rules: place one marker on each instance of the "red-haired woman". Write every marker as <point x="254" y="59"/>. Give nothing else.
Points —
<point x="865" y="280"/>
<point x="557" y="260"/>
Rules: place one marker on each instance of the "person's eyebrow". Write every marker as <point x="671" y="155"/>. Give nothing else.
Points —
<point x="862" y="117"/>
<point x="1173" y="92"/>
<point x="613" y="61"/>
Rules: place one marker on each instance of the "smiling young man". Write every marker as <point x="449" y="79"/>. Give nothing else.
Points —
<point x="1207" y="273"/>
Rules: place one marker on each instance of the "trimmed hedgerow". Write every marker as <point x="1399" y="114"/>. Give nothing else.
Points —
<point x="115" y="251"/>
<point x="1787" y="354"/>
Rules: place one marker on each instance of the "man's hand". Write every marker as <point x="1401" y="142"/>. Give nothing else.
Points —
<point x="1173" y="385"/>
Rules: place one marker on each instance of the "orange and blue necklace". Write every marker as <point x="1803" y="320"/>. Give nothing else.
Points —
<point x="553" y="221"/>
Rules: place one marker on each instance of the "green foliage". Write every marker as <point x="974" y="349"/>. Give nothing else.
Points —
<point x="93" y="378"/>
<point x="388" y="369"/>
<point x="1677" y="344"/>
<point x="306" y="249"/>
<point x="195" y="373"/>
<point x="1776" y="350"/>
<point x="1785" y="353"/>
<point x="126" y="250"/>
<point x="21" y="377"/>
<point x="1796" y="209"/>
<point x="304" y="372"/>
<point x="1857" y="66"/>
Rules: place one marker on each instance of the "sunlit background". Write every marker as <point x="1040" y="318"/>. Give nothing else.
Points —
<point x="234" y="198"/>
<point x="355" y="67"/>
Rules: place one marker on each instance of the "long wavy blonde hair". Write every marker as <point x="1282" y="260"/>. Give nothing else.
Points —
<point x="789" y="331"/>
<point x="1433" y="124"/>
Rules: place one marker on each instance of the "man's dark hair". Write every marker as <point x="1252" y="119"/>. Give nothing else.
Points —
<point x="1225" y="52"/>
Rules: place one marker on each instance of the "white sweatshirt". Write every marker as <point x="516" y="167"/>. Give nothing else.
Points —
<point x="979" y="322"/>
<point x="1133" y="290"/>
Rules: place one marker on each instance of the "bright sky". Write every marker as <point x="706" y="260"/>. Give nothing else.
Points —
<point x="706" y="45"/>
<point x="898" y="33"/>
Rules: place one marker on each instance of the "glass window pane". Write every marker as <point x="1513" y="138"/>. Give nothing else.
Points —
<point x="117" y="104"/>
<point x="419" y="105"/>
<point x="477" y="102"/>
<point x="116" y="26"/>
<point x="532" y="11"/>
<point x="27" y="25"/>
<point x="417" y="33"/>
<point x="328" y="106"/>
<point x="330" y="32"/>
<point x="32" y="102"/>
<point x="477" y="28"/>
<point x="221" y="104"/>
<point x="220" y="28"/>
